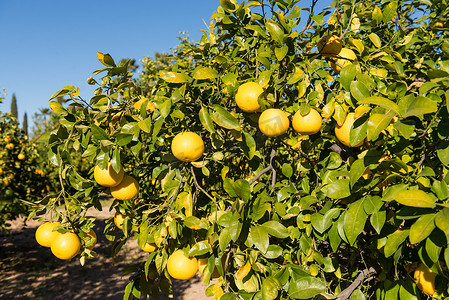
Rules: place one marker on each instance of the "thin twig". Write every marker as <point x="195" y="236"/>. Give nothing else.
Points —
<point x="176" y="192"/>
<point x="272" y="158"/>
<point x="347" y="292"/>
<point x="309" y="20"/>
<point x="200" y="188"/>
<point x="255" y="178"/>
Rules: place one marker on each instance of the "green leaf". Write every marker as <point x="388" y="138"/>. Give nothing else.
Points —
<point x="276" y="31"/>
<point x="224" y="239"/>
<point x="442" y="220"/>
<point x="270" y="287"/>
<point x="173" y="77"/>
<point x="249" y="145"/>
<point x="443" y="152"/>
<point x="394" y="241"/>
<point x="347" y="75"/>
<point x="305" y="287"/>
<point x="422" y="228"/>
<point x="445" y="47"/>
<point x="224" y="119"/>
<point x="200" y="248"/>
<point x="242" y="189"/>
<point x="359" y="90"/>
<point x="258" y="237"/>
<point x="375" y="39"/>
<point x="105" y="59"/>
<point x="257" y="29"/>
<point x="389" y="12"/>
<point x="228" y="186"/>
<point x="274" y="251"/>
<point x="295" y="77"/>
<point x="281" y="52"/>
<point x="323" y="222"/>
<point x="230" y="6"/>
<point x="338" y="189"/>
<point x="295" y="13"/>
<point x="358" y="131"/>
<point x="378" y="219"/>
<point x="205" y="73"/>
<point x="357" y="295"/>
<point x="377" y="123"/>
<point x="206" y="120"/>
<point x="98" y="133"/>
<point x="408" y="290"/>
<point x="356" y="171"/>
<point x="382" y="102"/>
<point x="146" y="125"/>
<point x="165" y="108"/>
<point x="275" y="229"/>
<point x="414" y="198"/>
<point x="420" y="106"/>
<point x="405" y="128"/>
<point x="334" y="237"/>
<point x="354" y="221"/>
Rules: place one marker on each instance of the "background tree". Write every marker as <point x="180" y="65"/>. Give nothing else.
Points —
<point x="14" y="106"/>
<point x="25" y="123"/>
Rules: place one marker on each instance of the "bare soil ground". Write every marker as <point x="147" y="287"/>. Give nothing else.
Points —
<point x="30" y="271"/>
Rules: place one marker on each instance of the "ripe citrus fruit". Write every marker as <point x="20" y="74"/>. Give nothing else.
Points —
<point x="45" y="234"/>
<point x="247" y="95"/>
<point x="149" y="247"/>
<point x="128" y="189"/>
<point x="88" y="237"/>
<point x="108" y="177"/>
<point x="8" y="139"/>
<point x="329" y="45"/>
<point x="118" y="220"/>
<point x="307" y="124"/>
<point x="342" y="132"/>
<point x="66" y="245"/>
<point x="9" y="146"/>
<point x="343" y="59"/>
<point x="425" y="279"/>
<point x="180" y="266"/>
<point x="187" y="146"/>
<point x="21" y="156"/>
<point x="273" y="122"/>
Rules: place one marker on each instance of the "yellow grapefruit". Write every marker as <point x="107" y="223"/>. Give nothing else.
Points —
<point x="127" y="189"/>
<point x="307" y="124"/>
<point x="247" y="96"/>
<point x="108" y="177"/>
<point x="273" y="122"/>
<point x="187" y="146"/>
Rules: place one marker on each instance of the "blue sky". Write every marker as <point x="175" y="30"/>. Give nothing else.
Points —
<point x="48" y="44"/>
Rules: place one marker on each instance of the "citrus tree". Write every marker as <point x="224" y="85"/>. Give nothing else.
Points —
<point x="23" y="174"/>
<point x="350" y="201"/>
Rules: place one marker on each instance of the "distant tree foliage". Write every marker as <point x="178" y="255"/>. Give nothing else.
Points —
<point x="14" y="106"/>
<point x="25" y="124"/>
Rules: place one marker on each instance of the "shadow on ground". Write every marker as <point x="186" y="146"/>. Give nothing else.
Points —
<point x="30" y="271"/>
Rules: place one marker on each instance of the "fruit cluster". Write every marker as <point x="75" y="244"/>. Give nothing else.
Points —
<point x="63" y="245"/>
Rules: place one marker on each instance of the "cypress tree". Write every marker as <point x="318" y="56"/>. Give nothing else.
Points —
<point x="14" y="106"/>
<point x="25" y="123"/>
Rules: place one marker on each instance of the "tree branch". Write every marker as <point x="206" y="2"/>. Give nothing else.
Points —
<point x="347" y="292"/>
